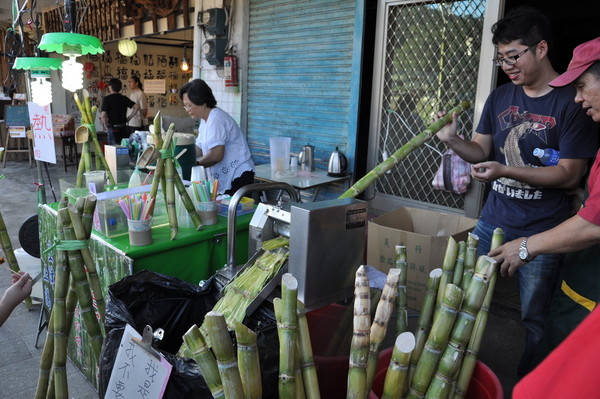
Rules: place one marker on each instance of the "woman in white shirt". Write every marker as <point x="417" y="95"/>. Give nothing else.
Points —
<point x="221" y="145"/>
<point x="137" y="96"/>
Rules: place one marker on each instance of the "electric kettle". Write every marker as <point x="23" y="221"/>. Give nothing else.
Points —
<point x="307" y="158"/>
<point x="338" y="164"/>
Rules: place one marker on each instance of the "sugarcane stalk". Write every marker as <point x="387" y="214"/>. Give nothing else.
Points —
<point x="466" y="372"/>
<point x="447" y="268"/>
<point x="403" y="152"/>
<point x="225" y="355"/>
<point x="7" y="249"/>
<point x="452" y="357"/>
<point x="425" y="317"/>
<point x="82" y="286"/>
<point x="460" y="263"/>
<point x="470" y="260"/>
<point x="204" y="358"/>
<point x="436" y="341"/>
<point x="61" y="286"/>
<point x="385" y="308"/>
<point x="87" y="216"/>
<point x="289" y="336"/>
<point x="46" y="361"/>
<point x="299" y="394"/>
<point x="396" y="376"/>
<point x="187" y="202"/>
<point x="92" y="273"/>
<point x="79" y="182"/>
<point x="497" y="238"/>
<point x="359" y="348"/>
<point x="401" y="300"/>
<point x="307" y="363"/>
<point x="171" y="210"/>
<point x="248" y="361"/>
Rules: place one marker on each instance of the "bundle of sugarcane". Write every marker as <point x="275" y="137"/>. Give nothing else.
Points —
<point x="470" y="259"/>
<point x="162" y="152"/>
<point x="403" y="152"/>
<point x="72" y="284"/>
<point x="88" y="127"/>
<point x="7" y="249"/>
<point x="359" y="347"/>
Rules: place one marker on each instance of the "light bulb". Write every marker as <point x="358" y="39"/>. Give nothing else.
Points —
<point x="41" y="91"/>
<point x="72" y="73"/>
<point x="185" y="66"/>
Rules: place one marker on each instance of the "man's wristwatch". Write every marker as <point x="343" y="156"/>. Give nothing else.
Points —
<point x="523" y="252"/>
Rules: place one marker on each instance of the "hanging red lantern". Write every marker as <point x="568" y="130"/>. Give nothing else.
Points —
<point x="88" y="68"/>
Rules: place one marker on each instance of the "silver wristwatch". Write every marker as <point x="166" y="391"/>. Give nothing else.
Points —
<point x="523" y="252"/>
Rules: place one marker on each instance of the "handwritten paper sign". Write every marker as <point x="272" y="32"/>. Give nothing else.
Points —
<point x="43" y="135"/>
<point x="17" y="132"/>
<point x="136" y="373"/>
<point x="155" y="86"/>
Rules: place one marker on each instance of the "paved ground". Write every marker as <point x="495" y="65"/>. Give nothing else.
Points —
<point x="19" y="359"/>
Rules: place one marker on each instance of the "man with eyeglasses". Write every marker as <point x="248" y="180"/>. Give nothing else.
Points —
<point x="526" y="197"/>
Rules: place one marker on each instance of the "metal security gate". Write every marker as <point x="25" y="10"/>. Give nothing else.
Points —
<point x="303" y="75"/>
<point x="429" y="58"/>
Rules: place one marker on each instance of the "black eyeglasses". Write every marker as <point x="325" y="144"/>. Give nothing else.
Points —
<point x="512" y="60"/>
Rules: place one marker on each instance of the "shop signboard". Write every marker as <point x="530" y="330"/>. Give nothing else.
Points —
<point x="40" y="119"/>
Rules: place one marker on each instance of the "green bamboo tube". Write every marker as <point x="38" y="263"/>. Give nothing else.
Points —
<point x="79" y="182"/>
<point x="460" y="263"/>
<point x="425" y="317"/>
<point x="222" y="347"/>
<point x="171" y="210"/>
<point x="248" y="361"/>
<point x="79" y="204"/>
<point x="289" y="336"/>
<point x="204" y="358"/>
<point x="359" y="348"/>
<point x="159" y="170"/>
<point x="396" y="376"/>
<point x="403" y="152"/>
<point x="84" y="294"/>
<point x="401" y="300"/>
<point x="385" y="308"/>
<point x="470" y="259"/>
<point x="7" y="249"/>
<point x="307" y="363"/>
<point x="447" y="268"/>
<point x="90" y="264"/>
<point x="61" y="287"/>
<point x="46" y="361"/>
<point x="437" y="339"/>
<point x="87" y="216"/>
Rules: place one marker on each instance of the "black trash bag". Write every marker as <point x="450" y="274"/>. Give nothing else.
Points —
<point x="149" y="298"/>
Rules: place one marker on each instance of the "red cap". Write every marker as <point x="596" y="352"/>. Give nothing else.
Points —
<point x="584" y="56"/>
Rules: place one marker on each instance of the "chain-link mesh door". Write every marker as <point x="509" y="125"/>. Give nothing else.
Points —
<point x="431" y="61"/>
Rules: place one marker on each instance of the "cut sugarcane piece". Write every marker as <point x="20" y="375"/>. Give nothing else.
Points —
<point x="204" y="358"/>
<point x="401" y="300"/>
<point x="225" y="354"/>
<point x="288" y="328"/>
<point x="396" y="377"/>
<point x="248" y="361"/>
<point x="447" y="268"/>
<point x="384" y="311"/>
<point x="359" y="347"/>
<point x="460" y="263"/>
<point x="307" y="363"/>
<point x="274" y="243"/>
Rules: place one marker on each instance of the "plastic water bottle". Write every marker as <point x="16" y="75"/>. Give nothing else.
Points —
<point x="548" y="156"/>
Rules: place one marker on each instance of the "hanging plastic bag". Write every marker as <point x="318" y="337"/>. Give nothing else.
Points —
<point x="453" y="175"/>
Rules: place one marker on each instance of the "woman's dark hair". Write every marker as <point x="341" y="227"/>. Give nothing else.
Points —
<point x="199" y="93"/>
<point x="115" y="84"/>
<point x="527" y="24"/>
<point x="137" y="80"/>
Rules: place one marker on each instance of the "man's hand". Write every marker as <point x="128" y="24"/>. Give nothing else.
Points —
<point x="488" y="171"/>
<point x="448" y="132"/>
<point x="507" y="257"/>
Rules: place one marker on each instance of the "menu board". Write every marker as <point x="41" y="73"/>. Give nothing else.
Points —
<point x="16" y="115"/>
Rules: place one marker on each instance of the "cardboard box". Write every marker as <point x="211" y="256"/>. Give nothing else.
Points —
<point x="424" y="233"/>
<point x="117" y="158"/>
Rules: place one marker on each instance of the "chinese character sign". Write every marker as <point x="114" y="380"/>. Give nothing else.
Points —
<point x="43" y="135"/>
<point x="136" y="373"/>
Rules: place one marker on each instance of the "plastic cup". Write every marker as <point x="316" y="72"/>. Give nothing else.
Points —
<point x="140" y="232"/>
<point x="95" y="180"/>
<point x="198" y="173"/>
<point x="208" y="212"/>
<point x="279" y="148"/>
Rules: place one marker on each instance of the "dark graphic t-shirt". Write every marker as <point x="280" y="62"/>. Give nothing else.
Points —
<point x="519" y="124"/>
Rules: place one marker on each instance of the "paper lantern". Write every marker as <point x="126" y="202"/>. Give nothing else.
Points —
<point x="127" y="47"/>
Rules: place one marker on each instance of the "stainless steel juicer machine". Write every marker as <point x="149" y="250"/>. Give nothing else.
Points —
<point x="327" y="241"/>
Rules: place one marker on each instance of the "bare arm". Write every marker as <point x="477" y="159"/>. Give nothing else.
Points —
<point x="104" y="118"/>
<point x="477" y="150"/>
<point x="214" y="156"/>
<point x="15" y="294"/>
<point x="573" y="234"/>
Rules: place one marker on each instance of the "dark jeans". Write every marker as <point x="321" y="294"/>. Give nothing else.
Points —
<point x="246" y="178"/>
<point x="116" y="134"/>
